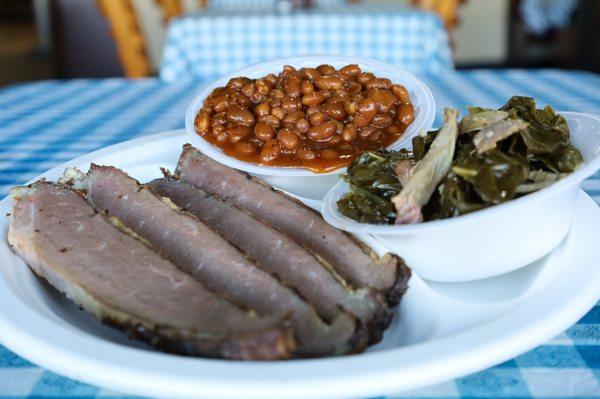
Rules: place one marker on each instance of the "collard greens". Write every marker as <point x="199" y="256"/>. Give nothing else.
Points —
<point x="525" y="161"/>
<point x="373" y="183"/>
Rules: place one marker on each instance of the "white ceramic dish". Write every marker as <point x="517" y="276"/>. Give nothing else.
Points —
<point x="304" y="182"/>
<point x="492" y="241"/>
<point x="442" y="331"/>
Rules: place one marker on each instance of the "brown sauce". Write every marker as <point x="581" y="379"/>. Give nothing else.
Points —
<point x="345" y="153"/>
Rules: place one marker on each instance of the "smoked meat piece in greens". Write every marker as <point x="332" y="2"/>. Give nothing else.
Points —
<point x="479" y="118"/>
<point x="428" y="172"/>
<point x="487" y="137"/>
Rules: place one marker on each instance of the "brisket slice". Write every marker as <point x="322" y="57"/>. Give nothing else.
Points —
<point x="278" y="254"/>
<point x="353" y="261"/>
<point x="122" y="282"/>
<point x="212" y="260"/>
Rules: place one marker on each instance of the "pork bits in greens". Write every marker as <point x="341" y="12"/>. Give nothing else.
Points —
<point x="498" y="155"/>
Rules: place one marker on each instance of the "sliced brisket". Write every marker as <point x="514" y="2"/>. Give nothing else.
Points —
<point x="351" y="260"/>
<point x="124" y="283"/>
<point x="276" y="253"/>
<point x="212" y="260"/>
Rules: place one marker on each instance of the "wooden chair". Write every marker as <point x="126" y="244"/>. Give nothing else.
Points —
<point x="447" y="9"/>
<point x="125" y="29"/>
<point x="170" y="8"/>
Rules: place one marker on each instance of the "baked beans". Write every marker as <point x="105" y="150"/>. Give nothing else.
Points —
<point x="317" y="118"/>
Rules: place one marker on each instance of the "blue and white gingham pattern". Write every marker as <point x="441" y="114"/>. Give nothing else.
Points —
<point x="211" y="44"/>
<point x="540" y="16"/>
<point x="237" y="5"/>
<point x="269" y="5"/>
<point x="44" y="124"/>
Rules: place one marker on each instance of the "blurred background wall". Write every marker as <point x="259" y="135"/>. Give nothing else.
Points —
<point x="481" y="35"/>
<point x="41" y="39"/>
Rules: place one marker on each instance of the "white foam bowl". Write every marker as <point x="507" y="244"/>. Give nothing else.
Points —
<point x="302" y="181"/>
<point x="492" y="241"/>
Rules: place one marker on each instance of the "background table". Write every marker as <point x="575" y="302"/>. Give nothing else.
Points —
<point x="216" y="42"/>
<point x="44" y="124"/>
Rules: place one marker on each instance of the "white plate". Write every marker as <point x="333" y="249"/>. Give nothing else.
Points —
<point x="442" y="331"/>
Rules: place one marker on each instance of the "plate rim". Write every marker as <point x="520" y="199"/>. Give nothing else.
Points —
<point x="363" y="375"/>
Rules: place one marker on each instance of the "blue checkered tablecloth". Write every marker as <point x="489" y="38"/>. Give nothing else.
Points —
<point x="218" y="41"/>
<point x="269" y="5"/>
<point x="47" y="123"/>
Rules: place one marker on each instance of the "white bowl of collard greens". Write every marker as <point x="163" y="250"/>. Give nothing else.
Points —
<point x="493" y="211"/>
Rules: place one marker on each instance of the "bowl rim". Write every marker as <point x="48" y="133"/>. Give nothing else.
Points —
<point x="332" y="216"/>
<point x="217" y="154"/>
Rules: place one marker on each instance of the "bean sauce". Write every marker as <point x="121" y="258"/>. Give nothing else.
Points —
<point x="315" y="118"/>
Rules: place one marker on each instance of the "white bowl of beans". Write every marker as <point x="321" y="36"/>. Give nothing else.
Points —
<point x="297" y="122"/>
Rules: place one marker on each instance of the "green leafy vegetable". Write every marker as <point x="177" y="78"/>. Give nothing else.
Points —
<point x="528" y="160"/>
<point x="547" y="137"/>
<point x="421" y="144"/>
<point x="494" y="175"/>
<point x="455" y="196"/>
<point x="373" y="181"/>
